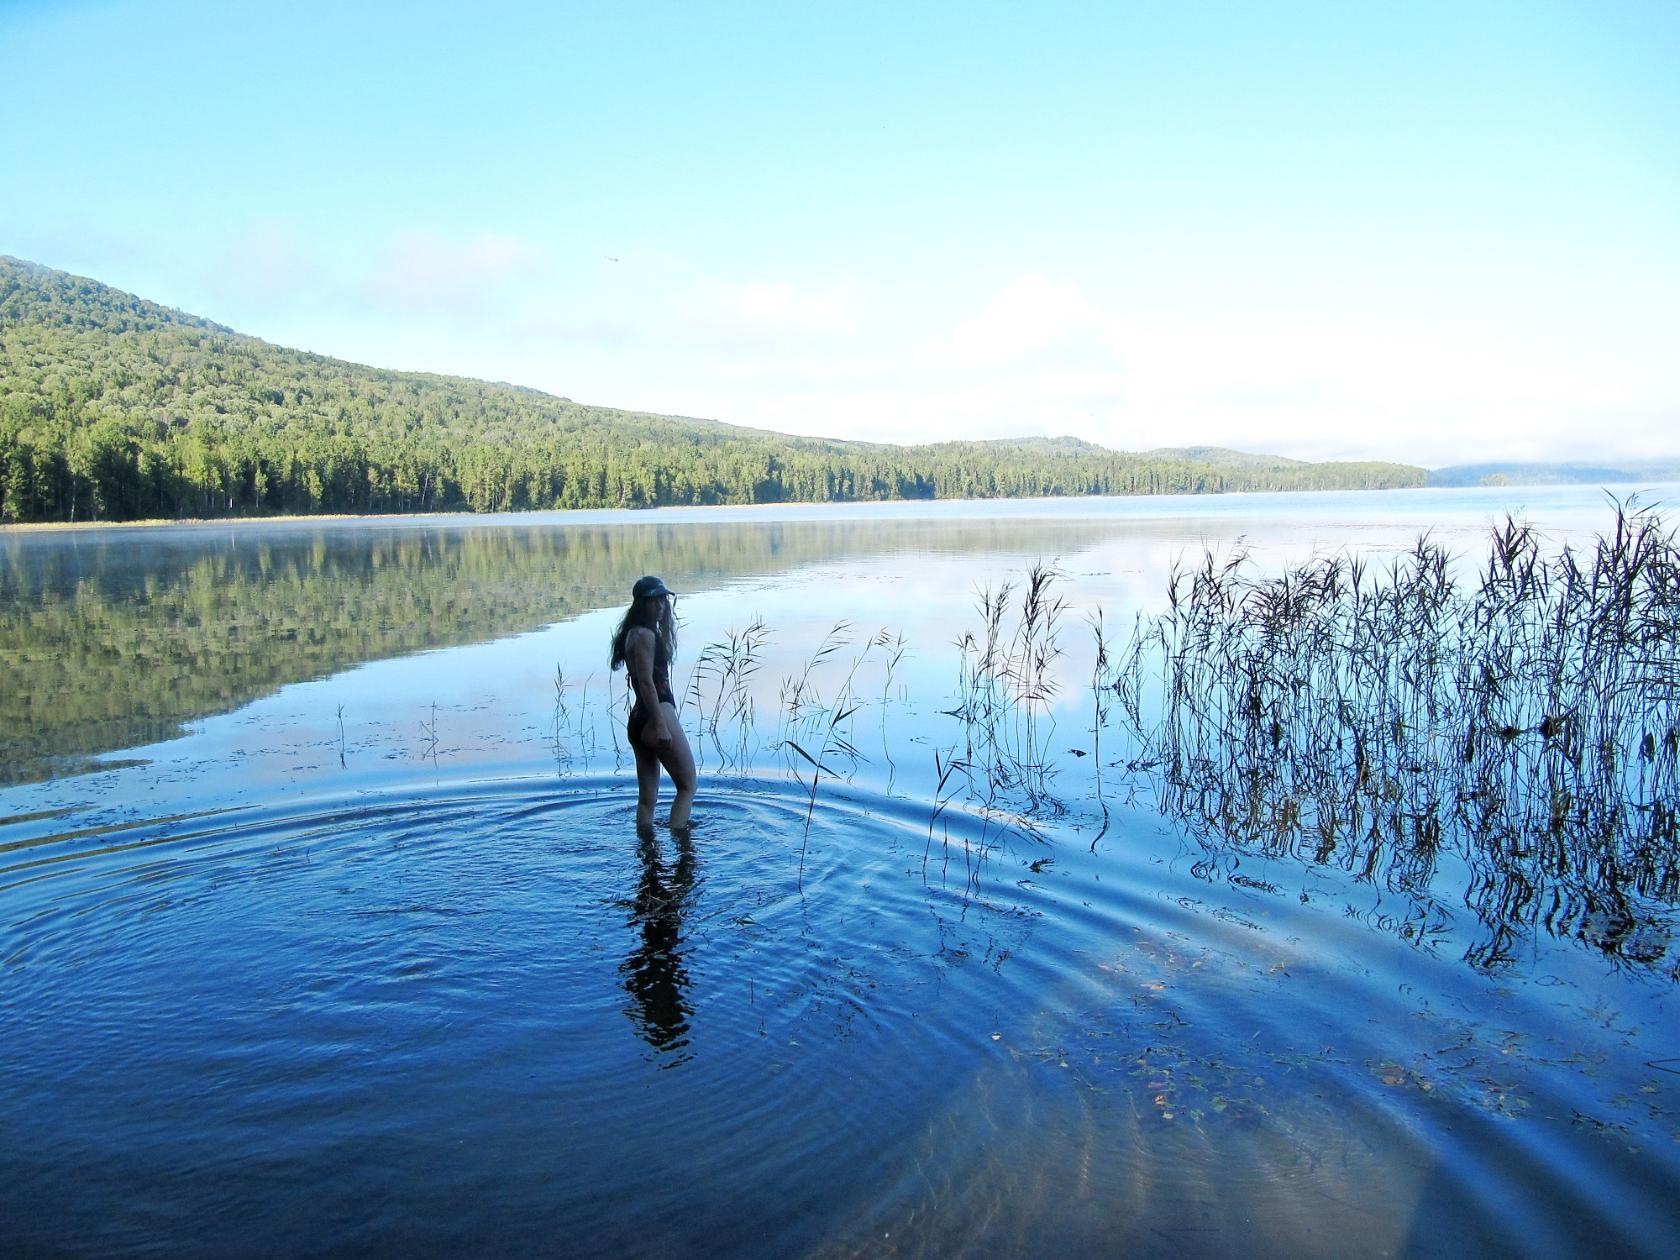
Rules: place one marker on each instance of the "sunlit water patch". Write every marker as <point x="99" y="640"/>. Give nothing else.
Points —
<point x="488" y="1017"/>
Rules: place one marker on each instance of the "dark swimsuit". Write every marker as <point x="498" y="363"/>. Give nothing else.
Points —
<point x="638" y="712"/>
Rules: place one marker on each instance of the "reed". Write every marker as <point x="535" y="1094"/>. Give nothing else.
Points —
<point x="585" y="729"/>
<point x="893" y="647"/>
<point x="825" y="723"/>
<point x="572" y="725"/>
<point x="720" y="689"/>
<point x="1524" y="721"/>
<point x="1502" y="736"/>
<point x="557" y="743"/>
<point x="1005" y="685"/>
<point x="1102" y="702"/>
<point x="429" y="737"/>
<point x="799" y="702"/>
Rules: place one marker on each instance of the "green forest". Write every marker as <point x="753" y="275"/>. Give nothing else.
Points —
<point x="113" y="408"/>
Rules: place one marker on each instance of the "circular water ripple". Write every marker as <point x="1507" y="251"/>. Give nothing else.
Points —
<point x="473" y="1014"/>
<point x="492" y="1018"/>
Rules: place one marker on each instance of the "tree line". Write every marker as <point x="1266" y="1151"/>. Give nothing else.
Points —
<point x="113" y="408"/>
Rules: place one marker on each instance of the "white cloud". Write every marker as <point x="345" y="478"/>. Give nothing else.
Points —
<point x="1037" y="353"/>
<point x="768" y="314"/>
<point x="1041" y="354"/>
<point x="424" y="273"/>
<point x="782" y="304"/>
<point x="267" y="266"/>
<point x="1029" y="316"/>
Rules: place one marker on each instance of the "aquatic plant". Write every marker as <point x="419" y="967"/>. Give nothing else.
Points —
<point x="429" y="736"/>
<point x="974" y="851"/>
<point x="720" y="687"/>
<point x="1103" y="698"/>
<point x="1504" y="741"/>
<point x="893" y="645"/>
<point x="1526" y="724"/>
<point x="562" y="758"/>
<point x="806" y="712"/>
<point x="585" y="728"/>
<point x="565" y="729"/>
<point x="1005" y="685"/>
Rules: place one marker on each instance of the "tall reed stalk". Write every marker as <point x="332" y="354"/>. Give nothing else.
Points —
<point x="720" y="688"/>
<point x="1006" y="682"/>
<point x="826" y="723"/>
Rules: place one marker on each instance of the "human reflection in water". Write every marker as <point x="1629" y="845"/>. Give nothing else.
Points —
<point x="654" y="975"/>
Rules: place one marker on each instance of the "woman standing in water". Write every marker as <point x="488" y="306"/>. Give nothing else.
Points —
<point x="646" y="639"/>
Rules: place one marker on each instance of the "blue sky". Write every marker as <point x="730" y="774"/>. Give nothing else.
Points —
<point x="1428" y="232"/>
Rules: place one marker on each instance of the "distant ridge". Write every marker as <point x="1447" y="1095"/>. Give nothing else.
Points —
<point x="1224" y="455"/>
<point x="1064" y="445"/>
<point x="1556" y="474"/>
<point x="116" y="408"/>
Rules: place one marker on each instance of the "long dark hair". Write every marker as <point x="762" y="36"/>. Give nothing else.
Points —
<point x="655" y="613"/>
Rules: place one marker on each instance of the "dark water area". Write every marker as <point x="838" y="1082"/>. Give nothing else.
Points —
<point x="364" y="954"/>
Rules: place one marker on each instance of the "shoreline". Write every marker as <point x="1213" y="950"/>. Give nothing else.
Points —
<point x="637" y="515"/>
<point x="160" y="522"/>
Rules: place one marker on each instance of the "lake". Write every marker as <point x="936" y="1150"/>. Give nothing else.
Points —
<point x="325" y="926"/>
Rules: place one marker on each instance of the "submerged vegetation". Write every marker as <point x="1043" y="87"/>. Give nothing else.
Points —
<point x="113" y="408"/>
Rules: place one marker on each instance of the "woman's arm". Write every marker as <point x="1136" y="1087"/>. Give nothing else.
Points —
<point x="638" y="652"/>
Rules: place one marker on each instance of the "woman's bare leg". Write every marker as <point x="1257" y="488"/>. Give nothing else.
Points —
<point x="679" y="764"/>
<point x="647" y="784"/>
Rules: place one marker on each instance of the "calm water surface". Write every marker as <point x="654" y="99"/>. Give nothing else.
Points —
<point x="324" y="926"/>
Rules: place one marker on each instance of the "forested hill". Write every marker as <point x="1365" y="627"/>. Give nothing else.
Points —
<point x="115" y="408"/>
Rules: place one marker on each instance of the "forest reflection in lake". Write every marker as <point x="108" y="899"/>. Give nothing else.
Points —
<point x="121" y="636"/>
<point x="365" y="791"/>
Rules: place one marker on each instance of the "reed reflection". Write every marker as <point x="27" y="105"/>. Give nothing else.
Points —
<point x="654" y="975"/>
